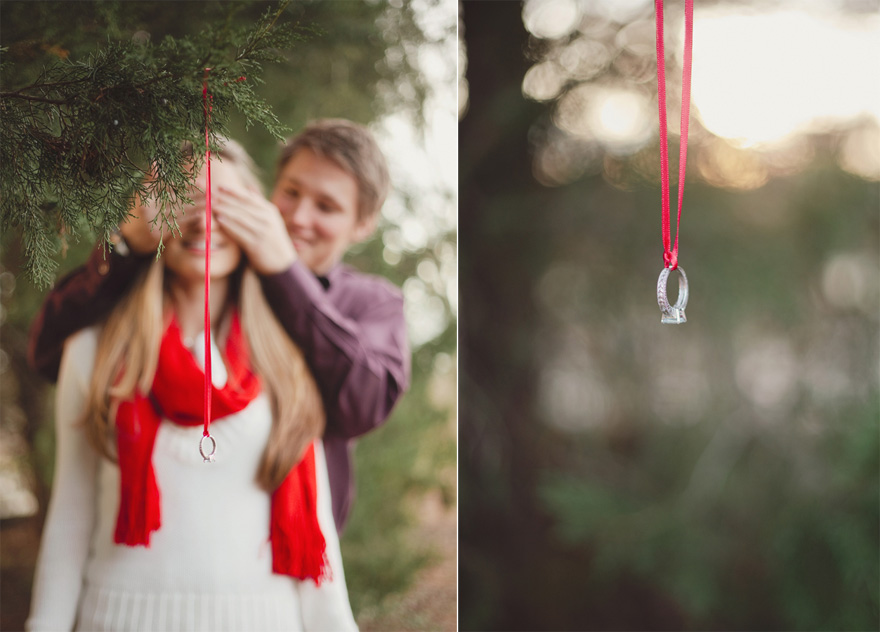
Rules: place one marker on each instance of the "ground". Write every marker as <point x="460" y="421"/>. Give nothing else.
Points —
<point x="430" y="603"/>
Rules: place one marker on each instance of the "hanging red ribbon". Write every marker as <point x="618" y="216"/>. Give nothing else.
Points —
<point x="670" y="253"/>
<point x="207" y="101"/>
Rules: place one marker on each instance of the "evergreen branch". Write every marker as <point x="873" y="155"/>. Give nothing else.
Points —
<point x="25" y="97"/>
<point x="74" y="155"/>
<point x="53" y="84"/>
<point x="261" y="33"/>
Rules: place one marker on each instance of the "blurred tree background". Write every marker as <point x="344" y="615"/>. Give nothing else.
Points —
<point x="620" y="474"/>
<point x="388" y="65"/>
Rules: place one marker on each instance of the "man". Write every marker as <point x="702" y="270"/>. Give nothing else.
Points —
<point x="330" y="184"/>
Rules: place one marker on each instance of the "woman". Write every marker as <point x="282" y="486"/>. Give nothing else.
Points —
<point x="141" y="534"/>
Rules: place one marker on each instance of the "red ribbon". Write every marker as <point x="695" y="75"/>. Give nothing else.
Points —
<point x="207" y="100"/>
<point x="670" y="254"/>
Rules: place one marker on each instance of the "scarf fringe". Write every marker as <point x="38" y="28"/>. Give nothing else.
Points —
<point x="308" y="561"/>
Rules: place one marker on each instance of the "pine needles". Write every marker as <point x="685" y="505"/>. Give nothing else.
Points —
<point x="77" y="143"/>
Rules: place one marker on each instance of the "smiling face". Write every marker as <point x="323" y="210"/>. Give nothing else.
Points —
<point x="319" y="203"/>
<point x="184" y="255"/>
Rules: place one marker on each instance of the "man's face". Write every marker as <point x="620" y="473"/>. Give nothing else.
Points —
<point x="319" y="202"/>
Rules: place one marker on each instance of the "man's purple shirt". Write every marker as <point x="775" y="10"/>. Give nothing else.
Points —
<point x="349" y="325"/>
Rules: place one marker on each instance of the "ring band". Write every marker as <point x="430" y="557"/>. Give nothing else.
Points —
<point x="672" y="315"/>
<point x="209" y="458"/>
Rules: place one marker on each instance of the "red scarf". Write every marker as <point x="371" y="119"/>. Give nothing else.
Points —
<point x="298" y="546"/>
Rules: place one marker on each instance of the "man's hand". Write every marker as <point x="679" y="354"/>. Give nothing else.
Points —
<point x="142" y="236"/>
<point x="255" y="224"/>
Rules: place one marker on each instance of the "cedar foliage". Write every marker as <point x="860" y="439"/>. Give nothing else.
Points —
<point x="79" y="135"/>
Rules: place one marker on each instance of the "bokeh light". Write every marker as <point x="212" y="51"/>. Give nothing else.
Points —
<point x="760" y="77"/>
<point x="763" y="78"/>
<point x="551" y="19"/>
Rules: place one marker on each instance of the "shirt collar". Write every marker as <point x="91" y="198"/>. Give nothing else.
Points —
<point x="326" y="280"/>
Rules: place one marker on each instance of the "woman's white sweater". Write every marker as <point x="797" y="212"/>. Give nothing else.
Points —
<point x="209" y="566"/>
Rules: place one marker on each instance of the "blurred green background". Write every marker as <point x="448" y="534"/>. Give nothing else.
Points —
<point x="388" y="65"/>
<point x="620" y="474"/>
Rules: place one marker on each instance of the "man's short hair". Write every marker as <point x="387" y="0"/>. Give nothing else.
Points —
<point x="351" y="147"/>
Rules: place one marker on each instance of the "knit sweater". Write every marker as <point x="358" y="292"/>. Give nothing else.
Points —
<point x="209" y="566"/>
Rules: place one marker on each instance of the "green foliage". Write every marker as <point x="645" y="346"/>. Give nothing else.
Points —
<point x="770" y="532"/>
<point x="413" y="453"/>
<point x="78" y="139"/>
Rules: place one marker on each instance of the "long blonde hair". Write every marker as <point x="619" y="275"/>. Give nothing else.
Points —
<point x="125" y="363"/>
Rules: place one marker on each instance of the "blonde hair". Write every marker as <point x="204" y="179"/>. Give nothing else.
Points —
<point x="125" y="363"/>
<point x="353" y="148"/>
